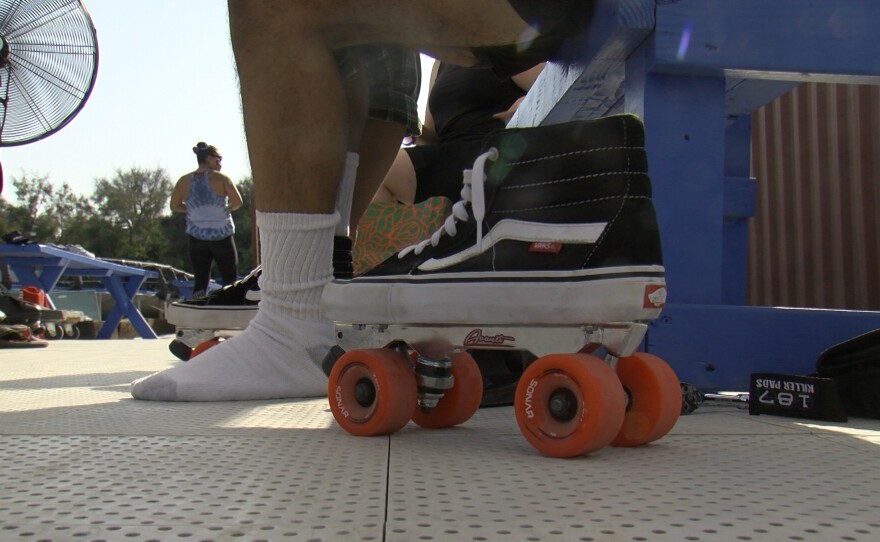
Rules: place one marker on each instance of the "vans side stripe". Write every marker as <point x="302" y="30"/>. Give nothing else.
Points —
<point x="521" y="230"/>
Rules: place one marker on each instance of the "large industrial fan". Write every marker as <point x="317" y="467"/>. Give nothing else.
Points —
<point x="48" y="66"/>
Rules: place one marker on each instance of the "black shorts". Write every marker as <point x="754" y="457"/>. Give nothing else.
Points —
<point x="439" y="167"/>
<point x="554" y="21"/>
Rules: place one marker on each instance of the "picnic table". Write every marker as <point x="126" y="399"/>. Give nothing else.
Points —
<point x="43" y="265"/>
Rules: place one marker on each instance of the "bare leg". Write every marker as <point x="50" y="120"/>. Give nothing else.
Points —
<point x="400" y="182"/>
<point x="379" y="147"/>
<point x="372" y="147"/>
<point x="294" y="104"/>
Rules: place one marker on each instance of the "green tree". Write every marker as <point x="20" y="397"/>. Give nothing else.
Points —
<point x="134" y="201"/>
<point x="35" y="194"/>
<point x="70" y="211"/>
<point x="47" y="212"/>
<point x="244" y="226"/>
<point x="175" y="251"/>
<point x="12" y="217"/>
<point x="126" y="217"/>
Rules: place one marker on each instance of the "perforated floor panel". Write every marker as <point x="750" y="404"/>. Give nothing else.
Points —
<point x="81" y="461"/>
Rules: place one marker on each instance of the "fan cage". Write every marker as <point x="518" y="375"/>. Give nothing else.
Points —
<point x="48" y="68"/>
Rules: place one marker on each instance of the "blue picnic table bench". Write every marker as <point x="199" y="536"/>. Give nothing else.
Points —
<point x="42" y="266"/>
<point x="694" y="71"/>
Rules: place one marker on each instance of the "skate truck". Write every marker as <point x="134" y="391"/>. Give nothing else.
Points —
<point x="553" y="249"/>
<point x="190" y="342"/>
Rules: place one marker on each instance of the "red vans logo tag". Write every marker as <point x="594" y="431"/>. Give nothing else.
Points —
<point x="545" y="247"/>
<point x="655" y="296"/>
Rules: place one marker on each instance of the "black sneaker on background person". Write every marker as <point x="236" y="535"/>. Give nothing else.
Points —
<point x="229" y="307"/>
<point x="555" y="227"/>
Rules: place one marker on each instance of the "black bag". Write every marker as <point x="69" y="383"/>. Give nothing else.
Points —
<point x="855" y="367"/>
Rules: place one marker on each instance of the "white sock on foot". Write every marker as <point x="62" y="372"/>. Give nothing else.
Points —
<point x="279" y="354"/>
<point x="345" y="195"/>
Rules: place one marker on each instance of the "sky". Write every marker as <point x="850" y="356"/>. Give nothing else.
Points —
<point x="166" y="80"/>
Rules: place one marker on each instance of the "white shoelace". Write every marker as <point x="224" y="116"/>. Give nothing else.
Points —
<point x="473" y="191"/>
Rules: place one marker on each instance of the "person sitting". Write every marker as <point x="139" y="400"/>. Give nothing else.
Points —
<point x="464" y="106"/>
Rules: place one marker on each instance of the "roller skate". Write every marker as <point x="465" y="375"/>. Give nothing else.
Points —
<point x="553" y="249"/>
<point x="206" y="321"/>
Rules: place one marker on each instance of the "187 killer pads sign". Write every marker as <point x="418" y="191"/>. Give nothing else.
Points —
<point x="797" y="396"/>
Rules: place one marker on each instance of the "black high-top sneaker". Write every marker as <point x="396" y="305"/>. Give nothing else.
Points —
<point x="229" y="307"/>
<point x="555" y="226"/>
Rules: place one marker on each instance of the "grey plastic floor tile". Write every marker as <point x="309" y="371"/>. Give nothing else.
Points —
<point x="82" y="461"/>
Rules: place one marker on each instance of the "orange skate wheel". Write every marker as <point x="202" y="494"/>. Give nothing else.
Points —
<point x="654" y="399"/>
<point x="210" y="343"/>
<point x="569" y="404"/>
<point x="372" y="392"/>
<point x="461" y="401"/>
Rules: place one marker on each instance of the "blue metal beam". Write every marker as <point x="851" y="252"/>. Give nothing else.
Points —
<point x="684" y="131"/>
<point x="794" y="40"/>
<point x="718" y="347"/>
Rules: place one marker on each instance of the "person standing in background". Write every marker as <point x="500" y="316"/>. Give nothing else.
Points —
<point x="208" y="198"/>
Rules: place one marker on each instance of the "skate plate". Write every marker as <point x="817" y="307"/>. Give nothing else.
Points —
<point x="210" y="317"/>
<point x="566" y="404"/>
<point x="619" y="339"/>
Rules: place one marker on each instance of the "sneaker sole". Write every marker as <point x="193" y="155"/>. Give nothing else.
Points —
<point x="620" y="294"/>
<point x="210" y="317"/>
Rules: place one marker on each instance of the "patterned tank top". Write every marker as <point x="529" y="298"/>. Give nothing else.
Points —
<point x="207" y="213"/>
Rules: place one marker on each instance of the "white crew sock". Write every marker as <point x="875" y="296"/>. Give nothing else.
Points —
<point x="345" y="195"/>
<point x="279" y="354"/>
